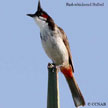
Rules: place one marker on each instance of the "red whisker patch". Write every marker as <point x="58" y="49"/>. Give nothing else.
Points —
<point x="45" y="16"/>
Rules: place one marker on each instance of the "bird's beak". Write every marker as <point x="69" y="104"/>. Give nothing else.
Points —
<point x="31" y="15"/>
<point x="38" y="9"/>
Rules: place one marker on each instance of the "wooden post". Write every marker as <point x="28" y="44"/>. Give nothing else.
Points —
<point x="53" y="89"/>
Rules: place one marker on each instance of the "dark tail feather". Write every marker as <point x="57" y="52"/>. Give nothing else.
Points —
<point x="76" y="93"/>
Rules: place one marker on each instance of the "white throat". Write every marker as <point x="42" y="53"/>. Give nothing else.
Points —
<point x="41" y="22"/>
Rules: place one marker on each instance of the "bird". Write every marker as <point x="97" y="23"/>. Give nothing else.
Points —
<point x="56" y="45"/>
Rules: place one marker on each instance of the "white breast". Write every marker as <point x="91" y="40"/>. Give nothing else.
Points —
<point x="54" y="47"/>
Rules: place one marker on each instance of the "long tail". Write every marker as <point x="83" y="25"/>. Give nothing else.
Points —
<point x="76" y="93"/>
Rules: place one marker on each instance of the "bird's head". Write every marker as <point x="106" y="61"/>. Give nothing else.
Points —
<point x="42" y="18"/>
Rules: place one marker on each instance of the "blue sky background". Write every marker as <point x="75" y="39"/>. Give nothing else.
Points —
<point x="23" y="63"/>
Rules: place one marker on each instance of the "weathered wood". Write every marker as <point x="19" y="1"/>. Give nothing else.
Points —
<point x="53" y="89"/>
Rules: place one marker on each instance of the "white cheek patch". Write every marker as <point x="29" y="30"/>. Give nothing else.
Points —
<point x="41" y="23"/>
<point x="38" y="20"/>
<point x="42" y="18"/>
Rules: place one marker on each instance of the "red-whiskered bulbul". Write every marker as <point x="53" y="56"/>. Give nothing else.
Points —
<point x="56" y="46"/>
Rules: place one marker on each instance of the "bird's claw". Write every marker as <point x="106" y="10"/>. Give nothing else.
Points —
<point x="51" y="65"/>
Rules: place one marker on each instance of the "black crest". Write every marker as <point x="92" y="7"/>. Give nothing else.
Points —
<point x="39" y="12"/>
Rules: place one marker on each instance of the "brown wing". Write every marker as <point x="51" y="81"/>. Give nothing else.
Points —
<point x="65" y="40"/>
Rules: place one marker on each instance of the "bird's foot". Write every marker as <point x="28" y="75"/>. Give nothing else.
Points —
<point x="51" y="65"/>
